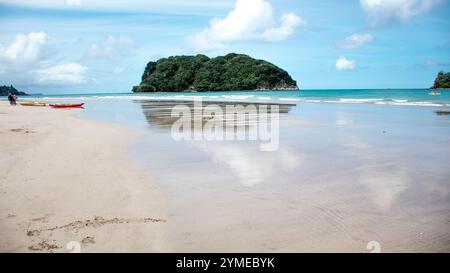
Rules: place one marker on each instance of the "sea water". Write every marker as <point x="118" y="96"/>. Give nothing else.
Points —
<point x="396" y="97"/>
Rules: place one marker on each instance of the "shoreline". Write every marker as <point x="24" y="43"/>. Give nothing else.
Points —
<point x="71" y="179"/>
<point x="231" y="91"/>
<point x="400" y="97"/>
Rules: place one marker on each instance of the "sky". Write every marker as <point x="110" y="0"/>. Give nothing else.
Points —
<point x="99" y="46"/>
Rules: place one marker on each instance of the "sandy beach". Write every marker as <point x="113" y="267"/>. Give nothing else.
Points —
<point x="112" y="178"/>
<point x="67" y="179"/>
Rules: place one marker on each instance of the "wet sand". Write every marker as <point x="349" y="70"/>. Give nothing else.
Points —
<point x="343" y="176"/>
<point x="67" y="179"/>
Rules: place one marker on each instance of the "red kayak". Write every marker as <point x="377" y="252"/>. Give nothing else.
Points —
<point x="67" y="105"/>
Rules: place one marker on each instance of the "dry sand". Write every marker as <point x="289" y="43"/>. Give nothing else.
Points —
<point x="67" y="179"/>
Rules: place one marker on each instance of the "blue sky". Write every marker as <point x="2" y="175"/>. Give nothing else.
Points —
<point x="78" y="46"/>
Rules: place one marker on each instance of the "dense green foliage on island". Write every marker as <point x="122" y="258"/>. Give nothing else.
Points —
<point x="223" y="73"/>
<point x="442" y="80"/>
<point x="6" y="90"/>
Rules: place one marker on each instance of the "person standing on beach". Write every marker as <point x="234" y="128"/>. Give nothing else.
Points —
<point x="12" y="99"/>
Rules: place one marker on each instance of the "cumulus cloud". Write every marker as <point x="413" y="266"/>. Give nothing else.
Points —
<point x="24" y="49"/>
<point x="343" y="63"/>
<point x="61" y="73"/>
<point x="434" y="63"/>
<point x="73" y="2"/>
<point x="118" y="69"/>
<point x="356" y="41"/>
<point x="385" y="11"/>
<point x="26" y="60"/>
<point x="156" y="6"/>
<point x="112" y="47"/>
<point x="249" y="20"/>
<point x="289" y="21"/>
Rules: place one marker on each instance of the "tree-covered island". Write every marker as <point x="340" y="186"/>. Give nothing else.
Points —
<point x="442" y="81"/>
<point x="6" y="90"/>
<point x="223" y="73"/>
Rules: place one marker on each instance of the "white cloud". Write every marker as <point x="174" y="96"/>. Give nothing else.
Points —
<point x="343" y="63"/>
<point x="385" y="11"/>
<point x="289" y="21"/>
<point x="25" y="60"/>
<point x="118" y="69"/>
<point x="249" y="20"/>
<point x="112" y="47"/>
<point x="24" y="49"/>
<point x="62" y="73"/>
<point x="167" y="6"/>
<point x="356" y="41"/>
<point x="73" y="2"/>
<point x="434" y="63"/>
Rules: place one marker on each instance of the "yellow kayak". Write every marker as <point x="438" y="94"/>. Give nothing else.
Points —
<point x="32" y="103"/>
<point x="434" y="94"/>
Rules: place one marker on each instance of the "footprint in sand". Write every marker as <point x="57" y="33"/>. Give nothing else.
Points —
<point x="44" y="246"/>
<point x="22" y="130"/>
<point x="88" y="240"/>
<point x="33" y="233"/>
<point x="77" y="225"/>
<point x="100" y="221"/>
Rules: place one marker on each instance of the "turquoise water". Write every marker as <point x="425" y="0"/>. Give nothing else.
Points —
<point x="407" y="97"/>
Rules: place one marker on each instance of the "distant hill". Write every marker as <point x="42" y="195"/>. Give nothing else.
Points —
<point x="5" y="90"/>
<point x="223" y="73"/>
<point x="442" y="80"/>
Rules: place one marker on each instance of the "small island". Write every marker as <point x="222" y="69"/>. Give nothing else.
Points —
<point x="442" y="81"/>
<point x="224" y="73"/>
<point x="6" y="90"/>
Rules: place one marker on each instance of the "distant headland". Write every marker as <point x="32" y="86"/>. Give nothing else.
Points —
<point x="223" y="73"/>
<point x="442" y="81"/>
<point x="6" y="90"/>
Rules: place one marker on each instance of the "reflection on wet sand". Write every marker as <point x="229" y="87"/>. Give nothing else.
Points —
<point x="340" y="179"/>
<point x="158" y="112"/>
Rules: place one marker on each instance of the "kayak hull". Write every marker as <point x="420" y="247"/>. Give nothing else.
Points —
<point x="72" y="105"/>
<point x="32" y="104"/>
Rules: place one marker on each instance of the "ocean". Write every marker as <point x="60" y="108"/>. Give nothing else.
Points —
<point x="396" y="97"/>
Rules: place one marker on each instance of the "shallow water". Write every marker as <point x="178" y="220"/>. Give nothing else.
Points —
<point x="344" y="174"/>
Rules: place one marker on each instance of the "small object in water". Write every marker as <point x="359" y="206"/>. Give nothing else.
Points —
<point x="434" y="93"/>
<point x="442" y="113"/>
<point x="32" y="103"/>
<point x="67" y="105"/>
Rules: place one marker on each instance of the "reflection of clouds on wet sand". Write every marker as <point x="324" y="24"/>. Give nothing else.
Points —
<point x="342" y="119"/>
<point x="250" y="165"/>
<point x="337" y="181"/>
<point x="384" y="181"/>
<point x="384" y="184"/>
<point x="244" y="158"/>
